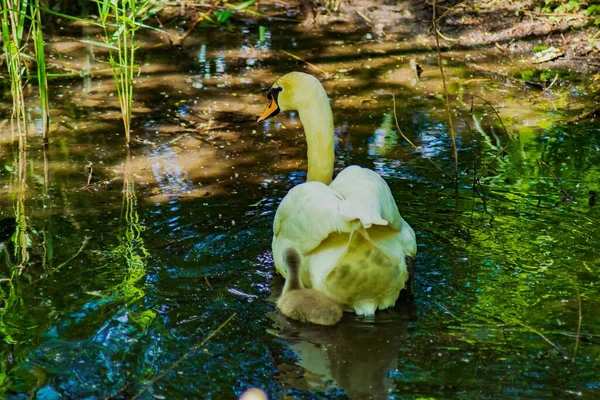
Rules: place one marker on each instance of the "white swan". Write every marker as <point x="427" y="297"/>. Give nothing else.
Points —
<point x="355" y="246"/>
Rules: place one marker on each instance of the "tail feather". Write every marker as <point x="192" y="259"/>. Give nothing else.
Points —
<point x="367" y="213"/>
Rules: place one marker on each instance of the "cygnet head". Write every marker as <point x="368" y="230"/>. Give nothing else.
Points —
<point x="305" y="305"/>
<point x="253" y="394"/>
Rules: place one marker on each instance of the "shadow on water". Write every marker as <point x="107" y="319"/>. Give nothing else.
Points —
<point x="119" y="262"/>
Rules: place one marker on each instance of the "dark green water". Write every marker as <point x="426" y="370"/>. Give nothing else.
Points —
<point x="106" y="286"/>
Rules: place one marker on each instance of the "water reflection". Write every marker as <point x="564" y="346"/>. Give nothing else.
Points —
<point x="21" y="239"/>
<point x="16" y="236"/>
<point x="385" y="137"/>
<point x="169" y="175"/>
<point x="357" y="356"/>
<point x="131" y="244"/>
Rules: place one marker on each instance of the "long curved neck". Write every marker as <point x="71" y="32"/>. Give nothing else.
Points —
<point x="317" y="120"/>
<point x="293" y="281"/>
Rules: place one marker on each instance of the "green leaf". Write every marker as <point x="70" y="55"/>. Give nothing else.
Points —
<point x="223" y="16"/>
<point x="70" y="17"/>
<point x="241" y="6"/>
<point x="593" y="9"/>
<point x="262" y="33"/>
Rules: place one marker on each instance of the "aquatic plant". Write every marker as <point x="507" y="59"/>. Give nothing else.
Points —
<point x="120" y="20"/>
<point x="13" y="24"/>
<point x="38" y="42"/>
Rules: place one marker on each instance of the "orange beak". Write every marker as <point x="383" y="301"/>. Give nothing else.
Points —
<point x="271" y="111"/>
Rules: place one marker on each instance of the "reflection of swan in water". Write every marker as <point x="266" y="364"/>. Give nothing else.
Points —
<point x="357" y="356"/>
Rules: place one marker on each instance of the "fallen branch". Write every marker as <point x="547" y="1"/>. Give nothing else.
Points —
<point x="588" y="114"/>
<point x="186" y="355"/>
<point x="540" y="334"/>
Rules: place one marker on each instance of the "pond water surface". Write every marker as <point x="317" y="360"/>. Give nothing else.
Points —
<point x="117" y="263"/>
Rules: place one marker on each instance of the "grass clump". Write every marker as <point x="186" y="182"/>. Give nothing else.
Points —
<point x="120" y="20"/>
<point x="13" y="26"/>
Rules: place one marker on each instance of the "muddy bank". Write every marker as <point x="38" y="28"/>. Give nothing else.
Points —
<point x="517" y="29"/>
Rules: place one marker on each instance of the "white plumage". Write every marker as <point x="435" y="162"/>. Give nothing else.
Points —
<point x="354" y="243"/>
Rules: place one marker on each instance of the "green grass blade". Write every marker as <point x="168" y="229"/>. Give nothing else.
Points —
<point x="241" y="6"/>
<point x="41" y="68"/>
<point x="70" y="17"/>
<point x="100" y="44"/>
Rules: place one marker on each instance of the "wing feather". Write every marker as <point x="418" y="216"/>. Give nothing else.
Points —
<point x="307" y="215"/>
<point x="367" y="198"/>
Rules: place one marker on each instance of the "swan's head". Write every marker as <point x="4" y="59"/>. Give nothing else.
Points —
<point x="293" y="91"/>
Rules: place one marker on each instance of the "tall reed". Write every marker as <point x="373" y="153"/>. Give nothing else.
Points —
<point x="448" y="109"/>
<point x="120" y="19"/>
<point x="13" y="24"/>
<point x="38" y="43"/>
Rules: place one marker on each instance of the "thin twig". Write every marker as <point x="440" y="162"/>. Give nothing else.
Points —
<point x="503" y="50"/>
<point x="484" y="170"/>
<point x="476" y="180"/>
<point x="540" y="334"/>
<point x="449" y="10"/>
<point x="474" y="166"/>
<point x="409" y="141"/>
<point x="448" y="111"/>
<point x="447" y="311"/>
<point x="90" y="169"/>
<point x="481" y="195"/>
<point x="494" y="110"/>
<point x="578" y="323"/>
<point x="551" y="84"/>
<point x="566" y="195"/>
<point x="446" y="37"/>
<point x="186" y="355"/>
<point x="85" y="241"/>
<point x="304" y="61"/>
<point x="363" y="16"/>
<point x="201" y="17"/>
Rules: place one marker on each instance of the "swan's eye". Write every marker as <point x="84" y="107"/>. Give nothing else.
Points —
<point x="273" y="93"/>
